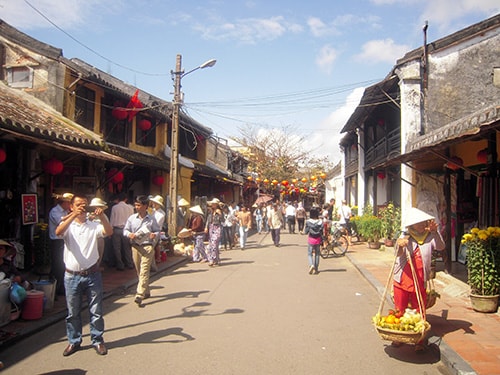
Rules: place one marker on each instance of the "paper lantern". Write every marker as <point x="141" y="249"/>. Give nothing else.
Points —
<point x="257" y="180"/>
<point x="304" y="180"/>
<point x="115" y="176"/>
<point x="284" y="183"/>
<point x="144" y="125"/>
<point x="322" y="175"/>
<point x="313" y="178"/>
<point x="381" y="122"/>
<point x="454" y="163"/>
<point x="3" y="155"/>
<point x="381" y="175"/>
<point x="266" y="181"/>
<point x="249" y="178"/>
<point x="294" y="181"/>
<point x="158" y="180"/>
<point x="119" y="112"/>
<point x="53" y="166"/>
<point x="482" y="156"/>
<point x="274" y="182"/>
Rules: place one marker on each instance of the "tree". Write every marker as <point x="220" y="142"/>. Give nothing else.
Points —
<point x="279" y="153"/>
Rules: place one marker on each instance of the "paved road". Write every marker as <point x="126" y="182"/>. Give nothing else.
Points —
<point x="260" y="312"/>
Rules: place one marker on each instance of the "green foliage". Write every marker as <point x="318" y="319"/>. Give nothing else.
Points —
<point x="391" y="221"/>
<point x="368" y="225"/>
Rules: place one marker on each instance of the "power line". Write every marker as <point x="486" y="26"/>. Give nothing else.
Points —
<point x="89" y="48"/>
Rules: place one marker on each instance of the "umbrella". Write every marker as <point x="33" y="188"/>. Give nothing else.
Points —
<point x="263" y="198"/>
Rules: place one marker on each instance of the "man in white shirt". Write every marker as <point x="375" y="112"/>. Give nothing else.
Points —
<point x="290" y="212"/>
<point x="120" y="213"/>
<point x="83" y="275"/>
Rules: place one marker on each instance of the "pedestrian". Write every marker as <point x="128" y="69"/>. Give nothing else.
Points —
<point x="331" y="210"/>
<point x="300" y="214"/>
<point x="233" y="210"/>
<point x="213" y="227"/>
<point x="182" y="214"/>
<point x="290" y="211"/>
<point x="120" y="212"/>
<point x="345" y="220"/>
<point x="314" y="230"/>
<point x="265" y="223"/>
<point x="417" y="246"/>
<point x="275" y="220"/>
<point x="60" y="210"/>
<point x="142" y="230"/>
<point x="258" y="215"/>
<point x="98" y="203"/>
<point x="159" y="214"/>
<point x="197" y="226"/>
<point x="83" y="275"/>
<point x="227" y="228"/>
<point x="245" y="223"/>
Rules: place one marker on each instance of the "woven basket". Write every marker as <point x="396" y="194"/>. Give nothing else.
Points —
<point x="406" y="337"/>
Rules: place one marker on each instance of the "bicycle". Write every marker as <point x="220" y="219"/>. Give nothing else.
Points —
<point x="334" y="242"/>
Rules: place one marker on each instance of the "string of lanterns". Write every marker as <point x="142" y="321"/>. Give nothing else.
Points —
<point x="294" y="186"/>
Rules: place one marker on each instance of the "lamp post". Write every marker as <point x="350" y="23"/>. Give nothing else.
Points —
<point x="174" y="157"/>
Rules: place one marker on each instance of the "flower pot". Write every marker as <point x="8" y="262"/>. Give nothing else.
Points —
<point x="388" y="242"/>
<point x="374" y="245"/>
<point x="485" y="304"/>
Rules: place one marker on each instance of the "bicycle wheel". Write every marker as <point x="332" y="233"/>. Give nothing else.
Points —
<point x="340" y="246"/>
<point x="325" y="251"/>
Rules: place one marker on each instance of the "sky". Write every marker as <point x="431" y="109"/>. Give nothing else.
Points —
<point x="300" y="65"/>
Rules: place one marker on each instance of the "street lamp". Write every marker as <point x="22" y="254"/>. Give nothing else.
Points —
<point x="174" y="156"/>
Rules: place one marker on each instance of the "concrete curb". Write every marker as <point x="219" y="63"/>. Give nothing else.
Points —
<point x="449" y="357"/>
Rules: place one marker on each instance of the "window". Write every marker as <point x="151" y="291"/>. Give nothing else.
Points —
<point x="84" y="107"/>
<point x="145" y="134"/>
<point x="116" y="129"/>
<point x="20" y="77"/>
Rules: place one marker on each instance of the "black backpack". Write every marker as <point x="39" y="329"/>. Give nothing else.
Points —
<point x="315" y="230"/>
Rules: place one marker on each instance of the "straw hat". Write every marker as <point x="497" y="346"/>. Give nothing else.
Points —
<point x="214" y="201"/>
<point x="196" y="209"/>
<point x="9" y="248"/>
<point x="98" y="202"/>
<point x="184" y="233"/>
<point x="66" y="197"/>
<point x="183" y="203"/>
<point x="415" y="216"/>
<point x="158" y="200"/>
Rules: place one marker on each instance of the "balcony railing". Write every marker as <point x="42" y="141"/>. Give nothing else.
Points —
<point x="383" y="147"/>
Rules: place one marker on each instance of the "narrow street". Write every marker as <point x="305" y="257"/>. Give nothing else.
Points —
<point x="260" y="312"/>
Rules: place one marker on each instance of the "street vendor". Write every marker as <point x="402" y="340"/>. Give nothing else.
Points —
<point x="418" y="243"/>
<point x="7" y="252"/>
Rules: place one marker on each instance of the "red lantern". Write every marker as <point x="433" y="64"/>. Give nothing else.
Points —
<point x="454" y="163"/>
<point x="53" y="166"/>
<point x="284" y="183"/>
<point x="158" y="180"/>
<point x="381" y="175"/>
<point x="482" y="156"/>
<point x="115" y="176"/>
<point x="119" y="112"/>
<point x="3" y="155"/>
<point x="144" y="125"/>
<point x="381" y="122"/>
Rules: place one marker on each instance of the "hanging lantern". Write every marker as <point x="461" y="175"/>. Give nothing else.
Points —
<point x="482" y="156"/>
<point x="158" y="180"/>
<point x="144" y="125"/>
<point x="284" y="183"/>
<point x="294" y="181"/>
<point x="304" y="180"/>
<point x="454" y="163"/>
<point x="257" y="180"/>
<point x="266" y="181"/>
<point x="53" y="166"/>
<point x="313" y="178"/>
<point x="115" y="176"/>
<point x="381" y="122"/>
<point x="274" y="182"/>
<point x="119" y="112"/>
<point x="302" y="190"/>
<point x="381" y="175"/>
<point x="3" y="155"/>
<point x="322" y="175"/>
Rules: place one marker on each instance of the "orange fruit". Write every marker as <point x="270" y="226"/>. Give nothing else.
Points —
<point x="390" y="319"/>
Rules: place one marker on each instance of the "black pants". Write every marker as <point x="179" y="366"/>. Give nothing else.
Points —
<point x="291" y="224"/>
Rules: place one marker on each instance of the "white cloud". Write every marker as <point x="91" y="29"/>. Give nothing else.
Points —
<point x="249" y="30"/>
<point x="382" y="50"/>
<point x="318" y="28"/>
<point x="67" y="14"/>
<point x="326" y="142"/>
<point x="326" y="57"/>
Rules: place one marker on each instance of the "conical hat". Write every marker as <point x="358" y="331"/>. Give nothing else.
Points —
<point x="415" y="216"/>
<point x="196" y="209"/>
<point x="184" y="233"/>
<point x="183" y="203"/>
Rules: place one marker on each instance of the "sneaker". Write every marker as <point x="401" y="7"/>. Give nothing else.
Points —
<point x="311" y="270"/>
<point x="138" y="301"/>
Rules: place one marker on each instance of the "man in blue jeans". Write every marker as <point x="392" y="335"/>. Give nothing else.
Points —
<point x="82" y="276"/>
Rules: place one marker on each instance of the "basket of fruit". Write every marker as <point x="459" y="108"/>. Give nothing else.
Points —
<point x="408" y="328"/>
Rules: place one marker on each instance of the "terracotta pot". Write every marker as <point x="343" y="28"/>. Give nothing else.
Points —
<point x="389" y="242"/>
<point x="374" y="245"/>
<point x="485" y="304"/>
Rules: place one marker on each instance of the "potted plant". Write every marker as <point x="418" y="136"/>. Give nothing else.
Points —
<point x="369" y="226"/>
<point x="483" y="266"/>
<point x="391" y="223"/>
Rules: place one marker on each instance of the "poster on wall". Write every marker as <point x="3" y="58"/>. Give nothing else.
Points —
<point x="29" y="208"/>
